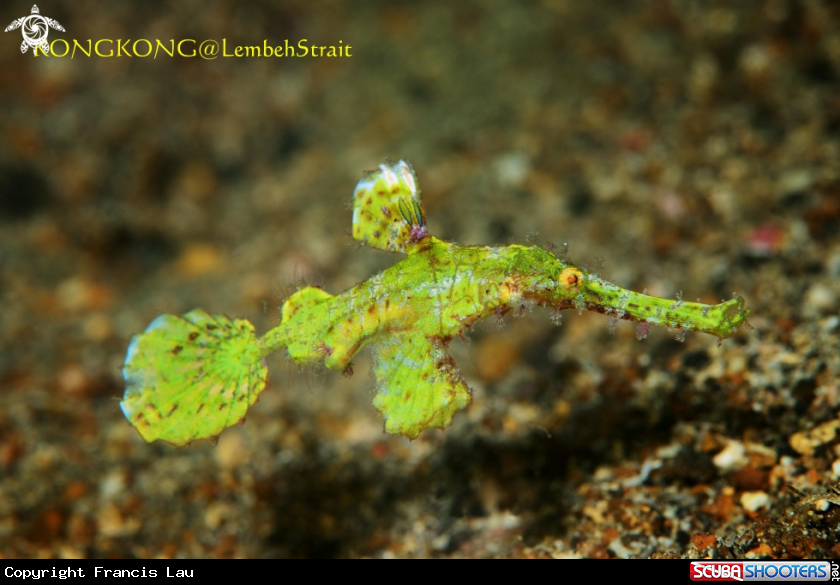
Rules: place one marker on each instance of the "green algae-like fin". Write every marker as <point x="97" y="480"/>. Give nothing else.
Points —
<point x="418" y="385"/>
<point x="304" y="305"/>
<point x="305" y="298"/>
<point x="387" y="211"/>
<point x="191" y="377"/>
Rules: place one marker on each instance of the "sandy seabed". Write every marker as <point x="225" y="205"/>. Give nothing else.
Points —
<point x="680" y="147"/>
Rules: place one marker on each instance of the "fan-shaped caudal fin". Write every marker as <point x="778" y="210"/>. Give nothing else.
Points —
<point x="387" y="211"/>
<point x="191" y="377"/>
<point x="418" y="386"/>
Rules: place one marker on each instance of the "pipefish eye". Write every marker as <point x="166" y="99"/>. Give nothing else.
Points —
<point x="571" y="277"/>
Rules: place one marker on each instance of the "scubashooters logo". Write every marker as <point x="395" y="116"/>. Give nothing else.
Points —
<point x="763" y="571"/>
<point x="35" y="29"/>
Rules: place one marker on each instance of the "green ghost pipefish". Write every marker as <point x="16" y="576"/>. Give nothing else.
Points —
<point x="191" y="377"/>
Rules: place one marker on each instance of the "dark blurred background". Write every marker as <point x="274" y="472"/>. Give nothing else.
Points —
<point x="676" y="146"/>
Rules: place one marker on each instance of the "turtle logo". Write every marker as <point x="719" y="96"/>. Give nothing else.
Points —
<point x="35" y="29"/>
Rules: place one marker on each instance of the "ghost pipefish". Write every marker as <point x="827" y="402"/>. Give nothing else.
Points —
<point x="191" y="377"/>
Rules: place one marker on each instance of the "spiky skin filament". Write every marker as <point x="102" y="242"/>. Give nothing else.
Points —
<point x="407" y="314"/>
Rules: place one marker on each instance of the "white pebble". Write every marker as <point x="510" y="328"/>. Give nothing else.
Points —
<point x="820" y="299"/>
<point x="732" y="458"/>
<point x="753" y="501"/>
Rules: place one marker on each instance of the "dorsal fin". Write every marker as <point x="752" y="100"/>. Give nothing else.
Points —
<point x="387" y="211"/>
